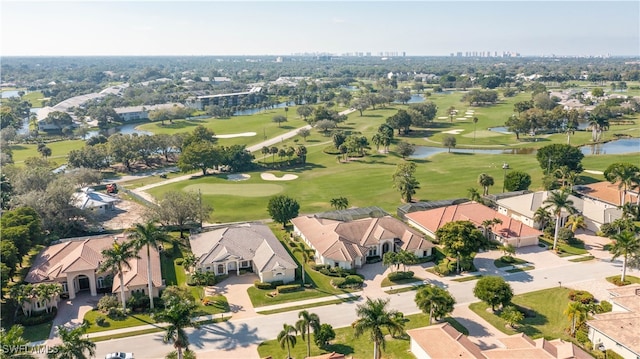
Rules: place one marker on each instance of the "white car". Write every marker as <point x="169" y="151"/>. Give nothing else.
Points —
<point x="119" y="355"/>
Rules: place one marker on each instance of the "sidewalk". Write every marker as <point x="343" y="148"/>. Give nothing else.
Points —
<point x="152" y="326"/>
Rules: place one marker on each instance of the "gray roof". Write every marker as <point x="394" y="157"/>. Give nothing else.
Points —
<point x="88" y="198"/>
<point x="246" y="241"/>
<point x="351" y="214"/>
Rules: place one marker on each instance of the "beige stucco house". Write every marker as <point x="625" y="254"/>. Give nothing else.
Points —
<point x="443" y="341"/>
<point x="510" y="231"/>
<point x="619" y="330"/>
<point x="348" y="243"/>
<point x="228" y="249"/>
<point x="74" y="263"/>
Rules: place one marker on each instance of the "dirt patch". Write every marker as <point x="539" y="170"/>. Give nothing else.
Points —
<point x="126" y="214"/>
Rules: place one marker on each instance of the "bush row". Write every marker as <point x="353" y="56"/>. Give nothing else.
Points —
<point x="37" y="318"/>
<point x="266" y="286"/>
<point x="288" y="288"/>
<point x="333" y="271"/>
<point x="396" y="276"/>
<point x="581" y="296"/>
<point x="351" y="281"/>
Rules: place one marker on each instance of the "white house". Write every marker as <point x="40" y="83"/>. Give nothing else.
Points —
<point x="96" y="202"/>
<point x="252" y="246"/>
<point x="523" y="208"/>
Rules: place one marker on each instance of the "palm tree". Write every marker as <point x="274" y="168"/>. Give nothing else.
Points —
<point x="74" y="344"/>
<point x="626" y="175"/>
<point x="115" y="259"/>
<point x="576" y="312"/>
<point x="373" y="316"/>
<point x="487" y="224"/>
<point x="625" y="243"/>
<point x="147" y="235"/>
<point x="307" y="322"/>
<point x="265" y="151"/>
<point x="179" y="315"/>
<point x="542" y="217"/>
<point x="473" y="193"/>
<point x="558" y="200"/>
<point x="475" y="122"/>
<point x="13" y="339"/>
<point x="451" y="111"/>
<point x="190" y="260"/>
<point x="307" y="255"/>
<point x="339" y="202"/>
<point x="511" y="315"/>
<point x="435" y="301"/>
<point x="575" y="222"/>
<point x="287" y="337"/>
<point x="485" y="181"/>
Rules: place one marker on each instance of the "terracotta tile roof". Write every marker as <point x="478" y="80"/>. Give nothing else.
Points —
<point x="606" y="192"/>
<point x="85" y="253"/>
<point x="475" y="212"/>
<point x="442" y="341"/>
<point x="345" y="241"/>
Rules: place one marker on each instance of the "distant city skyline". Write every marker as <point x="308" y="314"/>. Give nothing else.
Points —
<point x="415" y="28"/>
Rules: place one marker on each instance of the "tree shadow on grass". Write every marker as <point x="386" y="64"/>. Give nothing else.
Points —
<point x="339" y="348"/>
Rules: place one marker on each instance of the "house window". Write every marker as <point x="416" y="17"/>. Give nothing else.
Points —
<point x="208" y="268"/>
<point x="220" y="269"/>
<point x="278" y="273"/>
<point x="65" y="289"/>
<point x="373" y="251"/>
<point x="425" y="253"/>
<point x="100" y="282"/>
<point x="244" y="264"/>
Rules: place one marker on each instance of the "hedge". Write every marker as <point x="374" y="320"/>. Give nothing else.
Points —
<point x="262" y="285"/>
<point x="581" y="296"/>
<point x="288" y="288"/>
<point x="396" y="276"/>
<point x="37" y="318"/>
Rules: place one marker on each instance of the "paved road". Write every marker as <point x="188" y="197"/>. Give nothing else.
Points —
<point x="244" y="334"/>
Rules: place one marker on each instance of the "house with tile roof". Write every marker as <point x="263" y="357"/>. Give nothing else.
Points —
<point x="510" y="231"/>
<point x="618" y="330"/>
<point x="348" y="243"/>
<point x="75" y="262"/>
<point x="443" y="341"/>
<point x="595" y="211"/>
<point x="227" y="250"/>
<point x="608" y="193"/>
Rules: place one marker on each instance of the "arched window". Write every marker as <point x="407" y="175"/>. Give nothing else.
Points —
<point x="220" y="269"/>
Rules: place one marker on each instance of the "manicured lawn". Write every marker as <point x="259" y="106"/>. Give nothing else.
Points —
<point x="549" y="321"/>
<point x="35" y="98"/>
<point x="521" y="269"/>
<point x="565" y="250"/>
<point x="130" y="321"/>
<point x="346" y="343"/>
<point x="582" y="259"/>
<point x="313" y="305"/>
<point x="38" y="332"/>
<point x="387" y="282"/>
<point x="468" y="278"/>
<point x="508" y="261"/>
<point x="405" y="289"/>
<point x="627" y="278"/>
<point x="323" y="178"/>
<point x="59" y="150"/>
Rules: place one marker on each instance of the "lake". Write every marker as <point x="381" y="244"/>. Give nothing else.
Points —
<point x="617" y="147"/>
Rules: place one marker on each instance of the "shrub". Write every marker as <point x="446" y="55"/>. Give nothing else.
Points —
<point x="338" y="282"/>
<point x="582" y="336"/>
<point x="179" y="261"/>
<point x="396" y="276"/>
<point x="107" y="302"/>
<point x="604" y="307"/>
<point x="276" y="283"/>
<point x="262" y="285"/>
<point x="288" y="288"/>
<point x="116" y="313"/>
<point x="318" y="267"/>
<point x="581" y="296"/>
<point x="323" y="336"/>
<point x="619" y="282"/>
<point x="101" y="321"/>
<point x="37" y="318"/>
<point x="374" y="259"/>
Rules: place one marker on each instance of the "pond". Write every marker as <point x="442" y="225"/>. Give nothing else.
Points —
<point x="414" y="99"/>
<point x="127" y="129"/>
<point x="504" y="130"/>
<point x="617" y="147"/>
<point x="11" y="93"/>
<point x="253" y="111"/>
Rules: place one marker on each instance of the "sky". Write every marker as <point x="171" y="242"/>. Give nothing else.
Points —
<point x="418" y="28"/>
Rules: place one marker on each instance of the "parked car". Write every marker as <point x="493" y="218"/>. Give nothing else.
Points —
<point x="119" y="355"/>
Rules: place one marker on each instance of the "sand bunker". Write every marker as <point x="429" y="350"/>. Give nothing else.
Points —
<point x="443" y="118"/>
<point x="469" y="113"/>
<point x="594" y="172"/>
<point x="233" y="135"/>
<point x="271" y="177"/>
<point x="461" y="118"/>
<point x="468" y="116"/>
<point x="453" y="132"/>
<point x="238" y="177"/>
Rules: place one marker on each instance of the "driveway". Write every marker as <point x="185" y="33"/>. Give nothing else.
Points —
<point x="235" y="289"/>
<point x="71" y="313"/>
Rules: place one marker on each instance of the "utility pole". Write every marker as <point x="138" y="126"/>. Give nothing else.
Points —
<point x="200" y="205"/>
